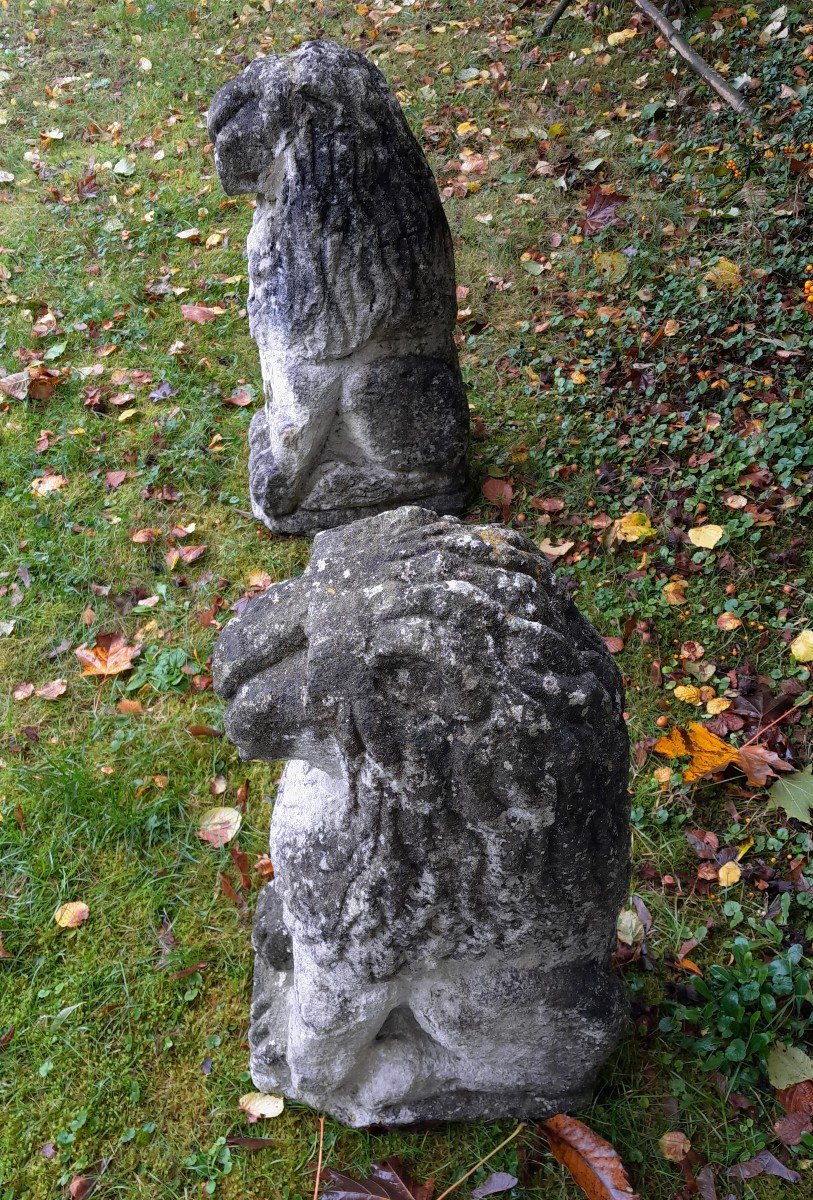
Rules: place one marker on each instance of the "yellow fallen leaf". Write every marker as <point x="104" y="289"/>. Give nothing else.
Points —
<point x="257" y="1104"/>
<point x="675" y="1146"/>
<point x="47" y="484"/>
<point x="727" y="621"/>
<point x="633" y="527"/>
<point x="674" y="592"/>
<point x="707" y="752"/>
<point x="620" y="36"/>
<point x="706" y="536"/>
<point x="612" y="265"/>
<point x="802" y="646"/>
<point x="578" y="377"/>
<point x="729" y="874"/>
<point x="465" y="128"/>
<point x="688" y="694"/>
<point x="725" y="275"/>
<point x="69" y="915"/>
<point x="717" y="705"/>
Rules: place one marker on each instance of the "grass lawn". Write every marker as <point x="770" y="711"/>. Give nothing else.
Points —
<point x="660" y="365"/>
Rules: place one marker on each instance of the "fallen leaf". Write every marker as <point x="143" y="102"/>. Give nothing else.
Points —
<point x="111" y="655"/>
<point x="131" y="708"/>
<point x="729" y="874"/>
<point x="614" y="644"/>
<point x="797" y="1098"/>
<point x="389" y="1181"/>
<point x="674" y="592"/>
<point x="789" y="1129"/>
<point x="47" y="484"/>
<point x="15" y="386"/>
<point x="547" y="547"/>
<point x="500" y="1181"/>
<point x="725" y="275"/>
<point x="763" y="1163"/>
<point x="760" y="764"/>
<point x="633" y="527"/>
<point x="72" y="914"/>
<point x="256" y="1105"/>
<point x="593" y="1163"/>
<point x="600" y="209"/>
<point x="675" y="1146"/>
<point x="612" y="265"/>
<point x="794" y="796"/>
<point x="146" y="536"/>
<point x="802" y="646"/>
<point x="629" y="927"/>
<point x="23" y="691"/>
<point x="787" y="1066"/>
<point x="727" y="621"/>
<point x="81" y="1186"/>
<point x="200" y="314"/>
<point x="219" y="825"/>
<point x="706" y="536"/>
<point x="52" y="690"/>
<point x="707" y="752"/>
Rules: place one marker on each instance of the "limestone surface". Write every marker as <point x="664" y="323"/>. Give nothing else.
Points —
<point x="450" y="836"/>
<point x="352" y="293"/>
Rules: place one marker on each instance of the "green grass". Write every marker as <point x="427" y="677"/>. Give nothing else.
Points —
<point x="577" y="395"/>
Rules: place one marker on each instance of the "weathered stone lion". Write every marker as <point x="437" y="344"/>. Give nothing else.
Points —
<point x="352" y="299"/>
<point x="450" y="840"/>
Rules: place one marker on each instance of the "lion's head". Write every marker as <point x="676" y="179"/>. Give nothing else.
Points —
<point x="349" y="241"/>
<point x="440" y="672"/>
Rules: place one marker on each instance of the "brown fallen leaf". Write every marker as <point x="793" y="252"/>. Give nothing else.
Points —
<point x="789" y="1129"/>
<point x="760" y="764"/>
<point x="52" y="690"/>
<point x="145" y="537"/>
<point x="111" y="655"/>
<point x="15" y="386"/>
<point x="200" y="314"/>
<point x="3" y="952"/>
<point x="600" y="210"/>
<point x="240" y="399"/>
<point x="675" y="1146"/>
<point x="5" y="1038"/>
<point x="184" y="554"/>
<point x="47" y="483"/>
<point x="81" y="1186"/>
<point x="614" y="644"/>
<point x="389" y="1180"/>
<point x="131" y="708"/>
<point x="707" y="752"/>
<point x="72" y="914"/>
<point x="202" y="731"/>
<point x="114" y="479"/>
<point x="593" y="1163"/>
<point x="23" y="691"/>
<point x="797" y="1098"/>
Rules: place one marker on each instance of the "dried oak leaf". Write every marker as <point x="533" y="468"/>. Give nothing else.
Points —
<point x="707" y="752"/>
<point x="593" y="1163"/>
<point x="111" y="655"/>
<point x="600" y="210"/>
<point x="390" y="1180"/>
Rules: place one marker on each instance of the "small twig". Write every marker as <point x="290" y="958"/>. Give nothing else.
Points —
<point x="319" y="1160"/>
<point x="554" y="17"/>
<point x="708" y="74"/>
<point x="799" y="704"/>
<point x="479" y="1164"/>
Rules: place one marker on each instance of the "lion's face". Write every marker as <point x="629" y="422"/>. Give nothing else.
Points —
<point x="248" y="120"/>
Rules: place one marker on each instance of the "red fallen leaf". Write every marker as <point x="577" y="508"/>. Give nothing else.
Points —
<point x="200" y="314"/>
<point x="111" y="655"/>
<point x="789" y="1129"/>
<point x="593" y="1163"/>
<point x="600" y="209"/>
<point x="6" y="1037"/>
<point x="798" y="1098"/>
<point x="231" y="894"/>
<point x="390" y="1180"/>
<point x="548" y="504"/>
<point x="240" y="860"/>
<point x="498" y="491"/>
<point x="184" y="554"/>
<point x="115" y="479"/>
<point x="81" y="1186"/>
<point x="760" y="764"/>
<point x="614" y="644"/>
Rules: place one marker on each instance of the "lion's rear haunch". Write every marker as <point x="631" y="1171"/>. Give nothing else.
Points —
<point x="477" y="730"/>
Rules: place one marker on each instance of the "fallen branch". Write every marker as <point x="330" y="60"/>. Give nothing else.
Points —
<point x="708" y="74"/>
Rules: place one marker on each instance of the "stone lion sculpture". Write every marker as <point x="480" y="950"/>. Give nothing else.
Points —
<point x="352" y="293"/>
<point x="450" y="839"/>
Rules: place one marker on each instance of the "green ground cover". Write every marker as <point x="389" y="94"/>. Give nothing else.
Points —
<point x="647" y="356"/>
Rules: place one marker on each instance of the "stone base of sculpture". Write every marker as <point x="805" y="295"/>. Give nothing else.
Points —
<point x="450" y="838"/>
